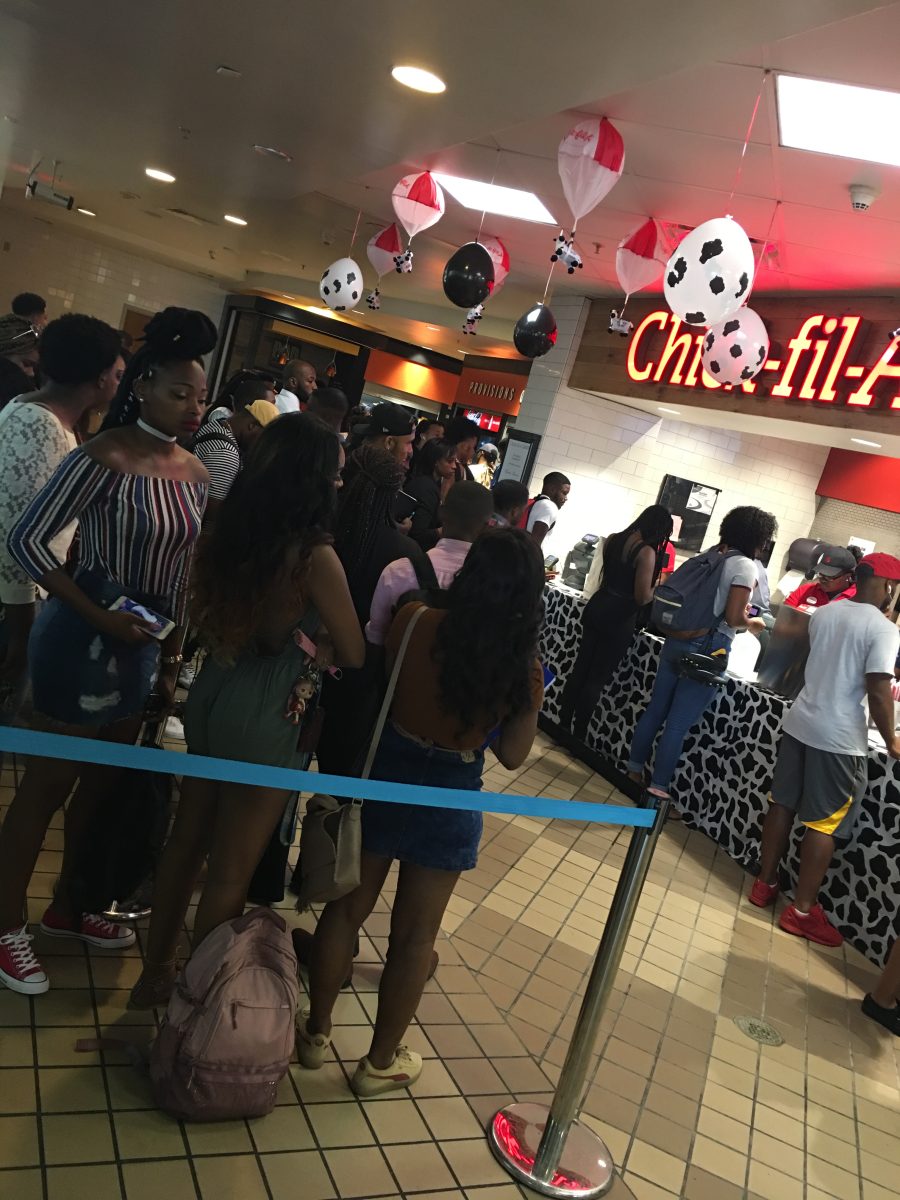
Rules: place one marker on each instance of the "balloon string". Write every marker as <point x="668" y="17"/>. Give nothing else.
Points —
<point x="484" y="210"/>
<point x="765" y="245"/>
<point x="547" y="287"/>
<point x="355" y="228"/>
<point x="740" y="169"/>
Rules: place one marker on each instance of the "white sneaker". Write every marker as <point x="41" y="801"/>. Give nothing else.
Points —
<point x="19" y="969"/>
<point x="174" y="730"/>
<point x="403" y="1071"/>
<point x="312" y="1048"/>
<point x="186" y="675"/>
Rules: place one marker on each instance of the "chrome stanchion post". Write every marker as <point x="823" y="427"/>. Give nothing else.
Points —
<point x="548" y="1149"/>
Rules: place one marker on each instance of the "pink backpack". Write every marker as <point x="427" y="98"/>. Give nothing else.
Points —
<point x="228" y="1034"/>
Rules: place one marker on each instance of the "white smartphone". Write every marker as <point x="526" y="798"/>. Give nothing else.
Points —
<point x="160" y="627"/>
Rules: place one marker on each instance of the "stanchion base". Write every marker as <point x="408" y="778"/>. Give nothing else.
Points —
<point x="585" y="1168"/>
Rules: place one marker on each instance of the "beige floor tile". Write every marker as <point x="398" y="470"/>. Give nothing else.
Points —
<point x="73" y="1089"/>
<point x="84" y="1183"/>
<point x="724" y="1129"/>
<point x="291" y="1175"/>
<point x="17" y="1093"/>
<point x="702" y="1185"/>
<point x="19" y="1141"/>
<point x="419" y="1166"/>
<point x="15" y="1009"/>
<point x="169" y="1180"/>
<point x="149" y="1134"/>
<point x="831" y="1179"/>
<point x="665" y="1170"/>
<point x="473" y="1163"/>
<point x="718" y="1159"/>
<point x="21" y="1185"/>
<point x="449" y="1118"/>
<point x="436" y="1080"/>
<point x="16" y="1048"/>
<point x="360" y="1173"/>
<point x="641" y="1189"/>
<point x="220" y="1137"/>
<point x="664" y="1135"/>
<point x="395" y="1120"/>
<point x="77" y="1138"/>
<point x="339" y="1125"/>
<point x="230" y="1177"/>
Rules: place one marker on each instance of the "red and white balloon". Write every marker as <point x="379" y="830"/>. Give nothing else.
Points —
<point x="383" y="250"/>
<point x="639" y="258"/>
<point x="590" y="159"/>
<point x="735" y="350"/>
<point x="500" y="258"/>
<point x="419" y="203"/>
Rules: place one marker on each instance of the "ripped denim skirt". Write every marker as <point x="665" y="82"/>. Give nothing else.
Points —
<point x="80" y="676"/>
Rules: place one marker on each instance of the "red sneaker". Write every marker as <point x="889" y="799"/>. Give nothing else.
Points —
<point x="763" y="894"/>
<point x="813" y="925"/>
<point x="19" y="969"/>
<point x="93" y="929"/>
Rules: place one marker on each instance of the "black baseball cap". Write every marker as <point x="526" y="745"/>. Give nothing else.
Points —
<point x="834" y="561"/>
<point x="391" y="419"/>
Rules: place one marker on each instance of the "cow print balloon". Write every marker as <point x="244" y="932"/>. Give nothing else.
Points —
<point x="735" y="349"/>
<point x="710" y="273"/>
<point x="342" y="284"/>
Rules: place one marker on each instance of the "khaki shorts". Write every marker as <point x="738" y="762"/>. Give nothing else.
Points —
<point x="824" y="789"/>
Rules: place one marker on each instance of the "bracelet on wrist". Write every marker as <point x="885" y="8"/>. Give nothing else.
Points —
<point x="172" y="660"/>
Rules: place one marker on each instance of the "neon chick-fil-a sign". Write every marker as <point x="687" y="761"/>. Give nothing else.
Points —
<point x="817" y="363"/>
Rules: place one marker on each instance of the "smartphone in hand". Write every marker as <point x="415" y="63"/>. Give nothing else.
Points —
<point x="159" y="627"/>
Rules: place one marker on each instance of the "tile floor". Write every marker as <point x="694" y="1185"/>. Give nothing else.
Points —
<point x="687" y="1104"/>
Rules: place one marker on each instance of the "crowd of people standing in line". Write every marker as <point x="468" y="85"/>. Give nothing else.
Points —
<point x="299" y="560"/>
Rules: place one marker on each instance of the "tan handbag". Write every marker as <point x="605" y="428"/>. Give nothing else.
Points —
<point x="331" y="831"/>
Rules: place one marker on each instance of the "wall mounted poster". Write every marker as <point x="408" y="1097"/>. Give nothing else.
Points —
<point x="519" y="456"/>
<point x="691" y="505"/>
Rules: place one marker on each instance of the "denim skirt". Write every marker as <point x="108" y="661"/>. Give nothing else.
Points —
<point x="444" y="839"/>
<point x="79" y="676"/>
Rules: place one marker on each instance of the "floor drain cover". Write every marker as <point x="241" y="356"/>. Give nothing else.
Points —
<point x="759" y="1030"/>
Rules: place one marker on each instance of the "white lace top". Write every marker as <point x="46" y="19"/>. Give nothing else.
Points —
<point x="33" y="443"/>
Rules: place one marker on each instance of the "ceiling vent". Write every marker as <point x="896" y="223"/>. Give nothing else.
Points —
<point x="862" y="197"/>
<point x="184" y="215"/>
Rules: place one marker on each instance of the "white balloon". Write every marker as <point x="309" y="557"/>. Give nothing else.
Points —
<point x="383" y="249"/>
<point x="710" y="273"/>
<point x="342" y="284"/>
<point x="734" y="350"/>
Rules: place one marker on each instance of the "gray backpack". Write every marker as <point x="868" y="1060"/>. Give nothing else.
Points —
<point x="228" y="1034"/>
<point x="687" y="600"/>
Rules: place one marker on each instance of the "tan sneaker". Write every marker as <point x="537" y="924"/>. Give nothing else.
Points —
<point x="403" y="1071"/>
<point x="312" y="1048"/>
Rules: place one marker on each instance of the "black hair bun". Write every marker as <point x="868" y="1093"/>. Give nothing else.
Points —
<point x="179" y="333"/>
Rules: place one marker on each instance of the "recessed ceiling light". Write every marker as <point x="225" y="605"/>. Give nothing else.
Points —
<point x="864" y="442"/>
<point x="672" y="411"/>
<point x="160" y="176"/>
<point x="86" y="212"/>
<point x="491" y="197"/>
<point x="836" y="118"/>
<point x="434" y="327"/>
<point x="234" y="220"/>
<point x="271" y="152"/>
<point x="419" y="79"/>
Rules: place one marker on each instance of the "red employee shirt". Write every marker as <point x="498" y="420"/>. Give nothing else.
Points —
<point x="813" y="595"/>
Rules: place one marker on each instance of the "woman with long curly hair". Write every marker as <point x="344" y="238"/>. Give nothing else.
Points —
<point x="264" y="576"/>
<point x="470" y="677"/>
<point x="138" y="498"/>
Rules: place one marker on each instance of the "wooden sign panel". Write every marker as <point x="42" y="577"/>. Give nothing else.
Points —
<point x="833" y="360"/>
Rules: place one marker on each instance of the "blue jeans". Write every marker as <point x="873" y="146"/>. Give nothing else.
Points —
<point x="676" y="704"/>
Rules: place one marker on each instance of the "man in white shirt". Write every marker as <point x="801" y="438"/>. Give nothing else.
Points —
<point x="465" y="513"/>
<point x="821" y="771"/>
<point x="541" y="516"/>
<point x="298" y="384"/>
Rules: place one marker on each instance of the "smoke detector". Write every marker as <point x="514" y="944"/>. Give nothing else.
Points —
<point x="862" y="197"/>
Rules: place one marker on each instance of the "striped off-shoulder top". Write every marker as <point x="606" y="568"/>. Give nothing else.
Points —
<point x="137" y="530"/>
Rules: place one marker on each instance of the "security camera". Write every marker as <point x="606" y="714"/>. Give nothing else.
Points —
<point x="34" y="190"/>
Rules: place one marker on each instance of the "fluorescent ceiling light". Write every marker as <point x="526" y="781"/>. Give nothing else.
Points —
<point x="160" y="176"/>
<point x="234" y="220"/>
<point x="838" y="119"/>
<point x="490" y="197"/>
<point x="419" y="80"/>
<point x="863" y="442"/>
<point x="319" y="312"/>
<point x="86" y="212"/>
<point x="675" y="412"/>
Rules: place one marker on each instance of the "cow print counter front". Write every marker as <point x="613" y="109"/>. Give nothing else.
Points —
<point x="723" y="779"/>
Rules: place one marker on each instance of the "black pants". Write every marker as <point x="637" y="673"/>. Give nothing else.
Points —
<point x="607" y="631"/>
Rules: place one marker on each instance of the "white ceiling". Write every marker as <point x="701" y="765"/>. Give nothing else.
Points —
<point x="109" y="86"/>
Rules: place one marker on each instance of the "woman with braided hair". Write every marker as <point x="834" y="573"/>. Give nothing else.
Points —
<point x="139" y="499"/>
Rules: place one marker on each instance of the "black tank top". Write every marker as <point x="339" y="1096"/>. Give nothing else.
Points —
<point x="618" y="576"/>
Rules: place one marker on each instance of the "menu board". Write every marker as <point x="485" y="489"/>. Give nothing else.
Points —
<point x="519" y="456"/>
<point x="691" y="505"/>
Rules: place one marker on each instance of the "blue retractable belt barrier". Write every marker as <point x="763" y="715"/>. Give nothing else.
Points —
<point x="226" y="770"/>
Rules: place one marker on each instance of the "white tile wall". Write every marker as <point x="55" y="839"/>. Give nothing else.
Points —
<point x="616" y="456"/>
<point x="75" y="274"/>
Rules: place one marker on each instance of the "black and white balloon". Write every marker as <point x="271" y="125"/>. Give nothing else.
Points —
<point x="710" y="273"/>
<point x="469" y="275"/>
<point x="535" y="332"/>
<point x="734" y="350"/>
<point x="342" y="284"/>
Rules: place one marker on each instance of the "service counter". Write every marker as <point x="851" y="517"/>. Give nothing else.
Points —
<point x="723" y="779"/>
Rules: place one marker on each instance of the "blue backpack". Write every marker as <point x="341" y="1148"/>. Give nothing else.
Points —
<point x="687" y="600"/>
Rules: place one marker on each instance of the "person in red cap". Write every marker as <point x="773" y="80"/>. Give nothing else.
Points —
<point x="833" y="580"/>
<point x="820" y="774"/>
